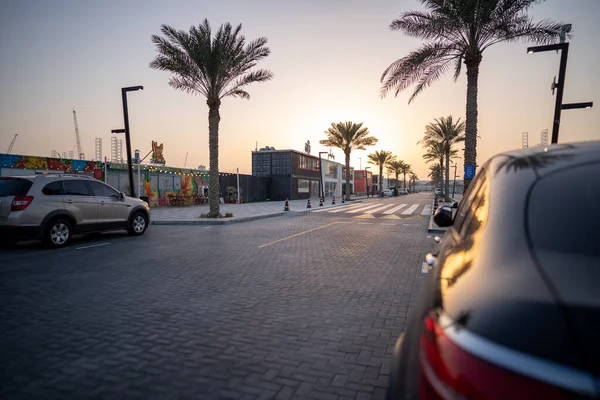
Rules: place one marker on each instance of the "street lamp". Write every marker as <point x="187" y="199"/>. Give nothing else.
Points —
<point x="321" y="179"/>
<point x="560" y="85"/>
<point x="127" y="135"/>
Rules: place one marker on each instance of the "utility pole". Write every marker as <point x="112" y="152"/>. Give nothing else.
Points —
<point x="454" y="184"/>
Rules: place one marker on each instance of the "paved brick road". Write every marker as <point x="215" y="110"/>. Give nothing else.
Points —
<point x="210" y="312"/>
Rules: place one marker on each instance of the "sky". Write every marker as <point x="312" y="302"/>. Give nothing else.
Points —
<point x="327" y="57"/>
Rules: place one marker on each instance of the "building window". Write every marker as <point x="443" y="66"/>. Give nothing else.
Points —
<point x="331" y="170"/>
<point x="307" y="163"/>
<point x="303" y="186"/>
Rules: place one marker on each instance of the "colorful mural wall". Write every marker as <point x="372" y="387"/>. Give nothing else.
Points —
<point x="41" y="164"/>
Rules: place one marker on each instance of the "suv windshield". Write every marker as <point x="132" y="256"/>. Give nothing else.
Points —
<point x="14" y="186"/>
<point x="563" y="211"/>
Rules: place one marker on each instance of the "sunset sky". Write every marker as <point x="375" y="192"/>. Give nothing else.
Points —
<point x="327" y="57"/>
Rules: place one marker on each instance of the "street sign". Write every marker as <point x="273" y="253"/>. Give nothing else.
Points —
<point x="469" y="171"/>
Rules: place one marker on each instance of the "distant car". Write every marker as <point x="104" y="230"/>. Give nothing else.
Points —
<point x="402" y="192"/>
<point x="387" y="193"/>
<point x="510" y="306"/>
<point x="438" y="191"/>
<point x="52" y="208"/>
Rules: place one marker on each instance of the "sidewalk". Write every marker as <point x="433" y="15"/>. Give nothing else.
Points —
<point x="241" y="212"/>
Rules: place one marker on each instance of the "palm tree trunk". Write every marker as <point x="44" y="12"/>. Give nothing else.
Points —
<point x="471" y="119"/>
<point x="447" y="180"/>
<point x="404" y="179"/>
<point x="347" y="176"/>
<point x="380" y="179"/>
<point x="441" y="173"/>
<point x="213" y="148"/>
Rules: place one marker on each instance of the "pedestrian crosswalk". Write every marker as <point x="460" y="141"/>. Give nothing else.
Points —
<point x="387" y="211"/>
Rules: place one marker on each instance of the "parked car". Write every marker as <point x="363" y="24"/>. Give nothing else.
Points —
<point x="438" y="191"/>
<point x="387" y="192"/>
<point x="402" y="192"/>
<point x="510" y="307"/>
<point x="52" y="208"/>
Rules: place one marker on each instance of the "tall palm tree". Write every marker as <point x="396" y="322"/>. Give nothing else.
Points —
<point x="395" y="166"/>
<point x="457" y="32"/>
<point x="348" y="136"/>
<point x="413" y="179"/>
<point x="448" y="133"/>
<point x="406" y="169"/>
<point x="381" y="159"/>
<point x="214" y="66"/>
<point x="435" y="152"/>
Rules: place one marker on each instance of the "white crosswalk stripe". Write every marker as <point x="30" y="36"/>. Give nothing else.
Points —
<point x="393" y="210"/>
<point x="356" y="210"/>
<point x="410" y="209"/>
<point x="338" y="209"/>
<point x="346" y="208"/>
<point x="426" y="210"/>
<point x="378" y="209"/>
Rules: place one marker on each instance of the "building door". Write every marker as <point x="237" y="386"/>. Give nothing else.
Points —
<point x="314" y="189"/>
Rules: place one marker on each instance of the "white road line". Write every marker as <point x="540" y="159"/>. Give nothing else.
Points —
<point x="426" y="210"/>
<point x="388" y="224"/>
<point x="345" y="208"/>
<point x="393" y="210"/>
<point x="356" y="210"/>
<point x="92" y="245"/>
<point x="376" y="210"/>
<point x="410" y="209"/>
<point x="365" y="223"/>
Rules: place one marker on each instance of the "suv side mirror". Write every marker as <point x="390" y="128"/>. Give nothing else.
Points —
<point x="443" y="217"/>
<point x="121" y="196"/>
<point x="454" y="204"/>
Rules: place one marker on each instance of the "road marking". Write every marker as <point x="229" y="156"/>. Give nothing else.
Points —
<point x="356" y="210"/>
<point x="393" y="210"/>
<point x="364" y="216"/>
<point x="345" y="208"/>
<point x="365" y="223"/>
<point x="92" y="245"/>
<point x="376" y="210"/>
<point x="207" y="227"/>
<point x="424" y="267"/>
<point x="426" y="210"/>
<point x="410" y="209"/>
<point x="391" y="216"/>
<point x="337" y="209"/>
<point x="296" y="235"/>
<point x="388" y="224"/>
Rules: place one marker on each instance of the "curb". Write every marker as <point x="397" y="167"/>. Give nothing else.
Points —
<point x="234" y="220"/>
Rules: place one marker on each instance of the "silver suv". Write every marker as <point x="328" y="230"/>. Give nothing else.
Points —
<point x="52" y="208"/>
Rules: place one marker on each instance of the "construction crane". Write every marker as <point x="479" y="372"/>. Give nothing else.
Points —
<point x="10" y="147"/>
<point x="185" y="162"/>
<point x="78" y="141"/>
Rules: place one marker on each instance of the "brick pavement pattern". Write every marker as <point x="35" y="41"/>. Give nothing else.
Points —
<point x="204" y="313"/>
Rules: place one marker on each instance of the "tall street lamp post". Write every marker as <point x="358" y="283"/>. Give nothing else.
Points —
<point x="321" y="179"/>
<point x="454" y="183"/>
<point x="127" y="135"/>
<point x="560" y="85"/>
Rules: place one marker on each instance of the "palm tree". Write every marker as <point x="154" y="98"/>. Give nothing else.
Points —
<point x="381" y="159"/>
<point x="406" y="169"/>
<point x="457" y="32"/>
<point x="413" y="179"/>
<point x="435" y="152"/>
<point x="435" y="173"/>
<point x="395" y="166"/>
<point x="214" y="66"/>
<point x="448" y="133"/>
<point x="348" y="136"/>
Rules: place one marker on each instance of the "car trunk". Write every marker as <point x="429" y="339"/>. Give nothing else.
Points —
<point x="9" y="188"/>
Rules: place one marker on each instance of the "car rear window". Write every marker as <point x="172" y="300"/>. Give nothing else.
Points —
<point x="563" y="211"/>
<point x="14" y="186"/>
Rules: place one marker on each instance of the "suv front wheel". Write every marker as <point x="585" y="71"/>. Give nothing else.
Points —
<point x="137" y="224"/>
<point x="58" y="233"/>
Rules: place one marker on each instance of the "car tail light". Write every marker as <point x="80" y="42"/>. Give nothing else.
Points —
<point x="20" y="203"/>
<point x="447" y="372"/>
